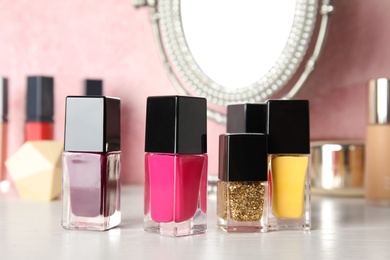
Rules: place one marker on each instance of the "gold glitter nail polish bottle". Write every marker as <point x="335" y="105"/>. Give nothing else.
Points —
<point x="242" y="187"/>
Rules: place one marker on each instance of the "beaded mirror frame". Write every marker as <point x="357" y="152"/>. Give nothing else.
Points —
<point x="283" y="80"/>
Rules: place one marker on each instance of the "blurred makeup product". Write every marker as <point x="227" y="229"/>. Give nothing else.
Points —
<point x="289" y="164"/>
<point x="91" y="163"/>
<point x="35" y="170"/>
<point x="175" y="166"/>
<point x="337" y="168"/>
<point x="39" y="109"/>
<point x="3" y="127"/>
<point x="377" y="181"/>
<point x="93" y="87"/>
<point x="247" y="118"/>
<point x="242" y="194"/>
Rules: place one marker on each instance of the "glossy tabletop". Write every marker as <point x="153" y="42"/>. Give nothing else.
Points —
<point x="342" y="228"/>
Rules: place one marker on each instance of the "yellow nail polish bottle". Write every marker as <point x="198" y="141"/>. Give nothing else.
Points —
<point x="289" y="164"/>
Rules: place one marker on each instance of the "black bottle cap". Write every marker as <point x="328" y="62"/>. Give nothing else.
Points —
<point x="92" y="124"/>
<point x="93" y="87"/>
<point x="3" y="99"/>
<point x="176" y="124"/>
<point x="247" y="118"/>
<point x="243" y="157"/>
<point x="288" y="127"/>
<point x="40" y="100"/>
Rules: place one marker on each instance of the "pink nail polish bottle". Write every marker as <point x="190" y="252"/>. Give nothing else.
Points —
<point x="175" y="166"/>
<point x="91" y="163"/>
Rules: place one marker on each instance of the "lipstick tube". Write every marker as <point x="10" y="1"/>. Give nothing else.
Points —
<point x="175" y="166"/>
<point x="289" y="164"/>
<point x="39" y="109"/>
<point x="3" y="125"/>
<point x="91" y="163"/>
<point x="242" y="193"/>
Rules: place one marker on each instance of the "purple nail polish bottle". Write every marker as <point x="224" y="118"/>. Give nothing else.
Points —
<point x="91" y="163"/>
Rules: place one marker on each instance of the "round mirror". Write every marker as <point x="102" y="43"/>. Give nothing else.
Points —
<point x="236" y="52"/>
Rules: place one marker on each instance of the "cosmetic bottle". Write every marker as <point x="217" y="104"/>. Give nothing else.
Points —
<point x="242" y="193"/>
<point x="377" y="170"/>
<point x="241" y="118"/>
<point x="93" y="87"/>
<point x="3" y="126"/>
<point x="246" y="118"/>
<point x="289" y="164"/>
<point x="91" y="163"/>
<point x="175" y="166"/>
<point x="39" y="109"/>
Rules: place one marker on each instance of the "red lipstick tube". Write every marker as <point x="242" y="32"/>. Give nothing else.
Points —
<point x="39" y="109"/>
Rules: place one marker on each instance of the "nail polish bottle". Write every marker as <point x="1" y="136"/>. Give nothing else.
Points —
<point x="93" y="87"/>
<point x="242" y="193"/>
<point x="91" y="163"/>
<point x="247" y="118"/>
<point x="175" y="166"/>
<point x="241" y="118"/>
<point x="3" y="126"/>
<point x="289" y="164"/>
<point x="377" y="170"/>
<point x="39" y="109"/>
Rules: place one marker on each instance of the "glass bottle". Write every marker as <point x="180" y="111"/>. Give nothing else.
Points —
<point x="377" y="170"/>
<point x="289" y="164"/>
<point x="242" y="193"/>
<point x="175" y="166"/>
<point x="91" y="164"/>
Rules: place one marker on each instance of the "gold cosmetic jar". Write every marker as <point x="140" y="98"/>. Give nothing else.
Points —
<point x="337" y="168"/>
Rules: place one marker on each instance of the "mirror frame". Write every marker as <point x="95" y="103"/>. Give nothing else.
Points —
<point x="296" y="61"/>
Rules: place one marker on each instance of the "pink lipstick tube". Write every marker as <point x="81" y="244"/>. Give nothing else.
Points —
<point x="91" y="164"/>
<point x="175" y="166"/>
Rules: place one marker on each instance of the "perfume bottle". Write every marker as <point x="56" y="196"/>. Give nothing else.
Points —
<point x="377" y="170"/>
<point x="175" y="166"/>
<point x="242" y="193"/>
<point x="91" y="163"/>
<point x="39" y="109"/>
<point x="289" y="164"/>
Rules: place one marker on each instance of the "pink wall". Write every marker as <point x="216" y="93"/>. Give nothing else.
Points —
<point x="109" y="39"/>
<point x="357" y="49"/>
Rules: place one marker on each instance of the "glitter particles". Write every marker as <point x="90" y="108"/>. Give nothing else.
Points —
<point x="241" y="201"/>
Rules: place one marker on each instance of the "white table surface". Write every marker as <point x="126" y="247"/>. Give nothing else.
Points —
<point x="342" y="228"/>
